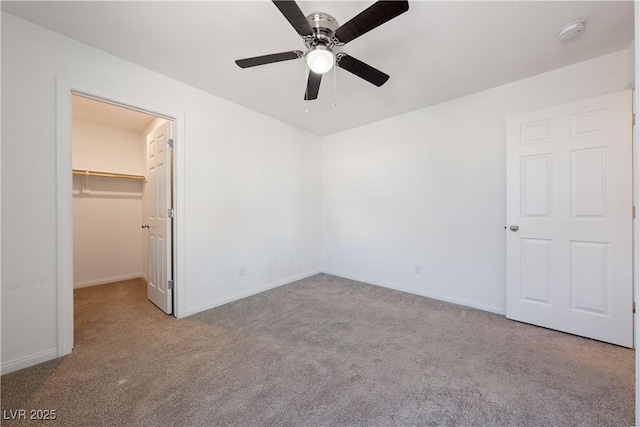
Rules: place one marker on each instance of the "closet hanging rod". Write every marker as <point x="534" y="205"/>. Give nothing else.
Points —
<point x="108" y="174"/>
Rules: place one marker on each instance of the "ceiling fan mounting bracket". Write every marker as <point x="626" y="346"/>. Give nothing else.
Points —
<point x="323" y="26"/>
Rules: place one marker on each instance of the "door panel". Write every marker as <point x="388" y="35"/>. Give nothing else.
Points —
<point x="569" y="177"/>
<point x="589" y="189"/>
<point x="589" y="281"/>
<point x="535" y="186"/>
<point x="158" y="192"/>
<point x="535" y="262"/>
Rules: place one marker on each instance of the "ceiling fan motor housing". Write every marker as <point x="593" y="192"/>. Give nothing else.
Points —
<point x="323" y="26"/>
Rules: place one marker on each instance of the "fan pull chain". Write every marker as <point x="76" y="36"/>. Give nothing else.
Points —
<point x="306" y="74"/>
<point x="335" y="97"/>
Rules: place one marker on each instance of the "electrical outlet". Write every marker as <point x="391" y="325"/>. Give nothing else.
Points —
<point x="240" y="271"/>
<point x="417" y="269"/>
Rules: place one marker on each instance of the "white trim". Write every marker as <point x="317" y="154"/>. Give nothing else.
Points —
<point x="179" y="229"/>
<point x="64" y="232"/>
<point x="64" y="212"/>
<point x="636" y="134"/>
<point x="258" y="289"/>
<point x="104" y="280"/>
<point x="28" y="360"/>
<point x="433" y="295"/>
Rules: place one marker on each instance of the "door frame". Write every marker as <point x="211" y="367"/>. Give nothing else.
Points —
<point x="64" y="196"/>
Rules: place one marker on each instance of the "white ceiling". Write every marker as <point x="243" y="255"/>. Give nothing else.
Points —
<point x="108" y="114"/>
<point x="435" y="52"/>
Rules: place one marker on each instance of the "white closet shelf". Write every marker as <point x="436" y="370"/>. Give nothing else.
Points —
<point x="108" y="174"/>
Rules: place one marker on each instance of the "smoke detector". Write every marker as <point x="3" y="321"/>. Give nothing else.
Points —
<point x="572" y="29"/>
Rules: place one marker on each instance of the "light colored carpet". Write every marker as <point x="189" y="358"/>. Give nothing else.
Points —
<point x="321" y="351"/>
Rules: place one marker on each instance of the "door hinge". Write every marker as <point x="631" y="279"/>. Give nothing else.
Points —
<point x="170" y="284"/>
<point x="633" y="119"/>
<point x="170" y="213"/>
<point x="170" y="142"/>
<point x="633" y="213"/>
<point x="634" y="307"/>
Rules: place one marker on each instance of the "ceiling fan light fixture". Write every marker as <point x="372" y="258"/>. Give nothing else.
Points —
<point x="319" y="59"/>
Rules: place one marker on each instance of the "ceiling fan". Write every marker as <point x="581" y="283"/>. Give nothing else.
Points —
<point x="320" y="33"/>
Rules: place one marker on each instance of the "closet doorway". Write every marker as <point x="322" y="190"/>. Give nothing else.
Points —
<point x="122" y="198"/>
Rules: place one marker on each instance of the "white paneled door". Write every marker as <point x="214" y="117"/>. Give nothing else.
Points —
<point x="569" y="218"/>
<point x="159" y="222"/>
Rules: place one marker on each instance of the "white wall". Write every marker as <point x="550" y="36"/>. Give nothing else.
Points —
<point x="107" y="212"/>
<point x="251" y="186"/>
<point x="108" y="148"/>
<point x="427" y="188"/>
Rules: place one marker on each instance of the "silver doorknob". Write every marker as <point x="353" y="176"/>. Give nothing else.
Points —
<point x="145" y="225"/>
<point x="514" y="228"/>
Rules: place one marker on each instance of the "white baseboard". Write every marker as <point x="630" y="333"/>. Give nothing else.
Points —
<point x="446" y="298"/>
<point x="102" y="281"/>
<point x="27" y="361"/>
<point x="258" y="289"/>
